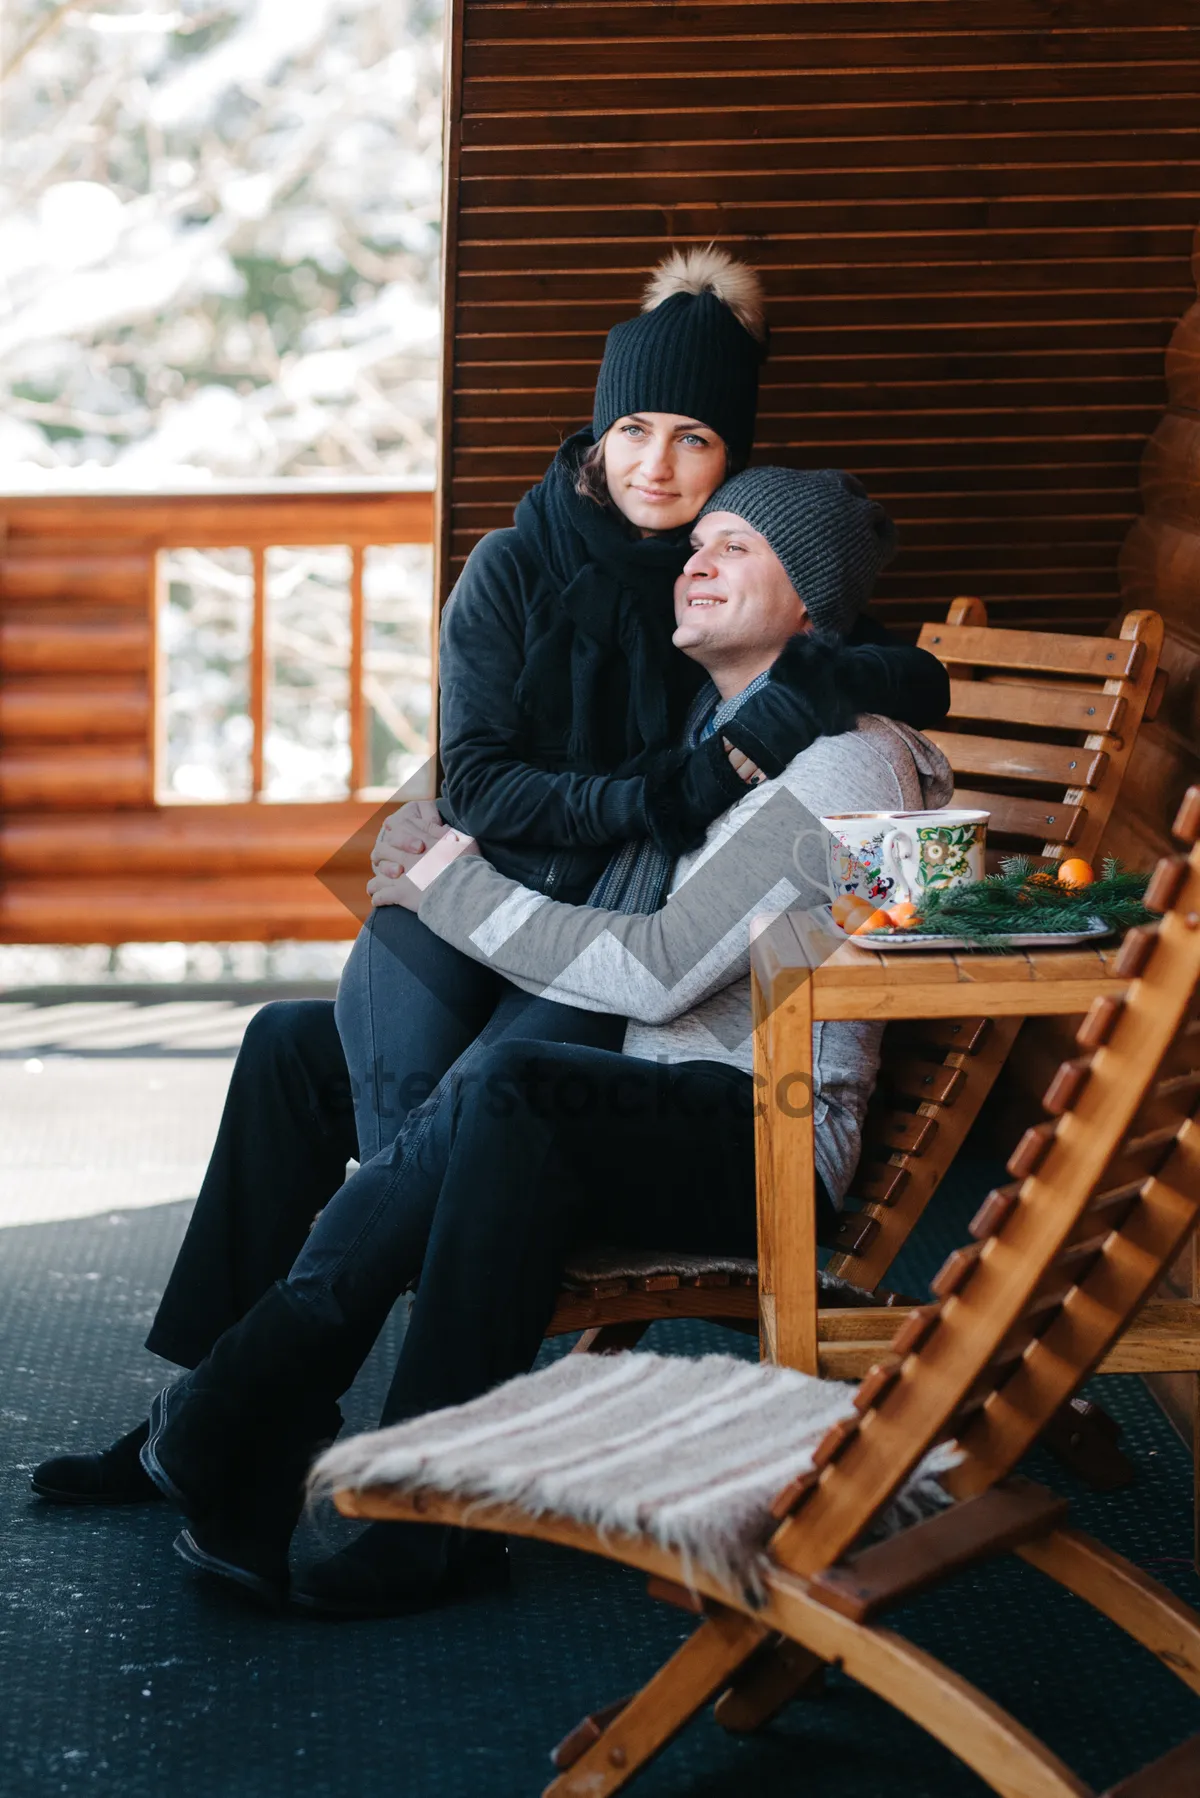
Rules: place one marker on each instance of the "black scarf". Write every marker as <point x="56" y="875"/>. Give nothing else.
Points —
<point x="614" y="603"/>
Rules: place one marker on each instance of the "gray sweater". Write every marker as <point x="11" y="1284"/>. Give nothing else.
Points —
<point x="681" y="974"/>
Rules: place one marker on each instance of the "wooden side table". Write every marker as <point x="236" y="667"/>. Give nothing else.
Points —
<point x="805" y="971"/>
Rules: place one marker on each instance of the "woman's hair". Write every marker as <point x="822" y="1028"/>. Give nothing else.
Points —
<point x="591" y="482"/>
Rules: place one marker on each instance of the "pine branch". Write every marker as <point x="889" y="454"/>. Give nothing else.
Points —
<point x="1022" y="899"/>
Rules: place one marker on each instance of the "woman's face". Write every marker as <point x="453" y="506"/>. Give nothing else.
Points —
<point x="661" y="468"/>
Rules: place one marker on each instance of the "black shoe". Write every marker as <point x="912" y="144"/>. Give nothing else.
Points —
<point x="115" y="1476"/>
<point x="230" y="1556"/>
<point x="245" y="1539"/>
<point x="394" y="1569"/>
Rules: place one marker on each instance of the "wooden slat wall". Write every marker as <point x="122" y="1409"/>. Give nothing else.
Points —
<point x="972" y="216"/>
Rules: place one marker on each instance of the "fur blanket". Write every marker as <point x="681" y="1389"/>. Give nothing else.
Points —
<point x="689" y="1453"/>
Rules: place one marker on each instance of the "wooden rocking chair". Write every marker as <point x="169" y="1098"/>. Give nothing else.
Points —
<point x="1059" y="1263"/>
<point x="1042" y="727"/>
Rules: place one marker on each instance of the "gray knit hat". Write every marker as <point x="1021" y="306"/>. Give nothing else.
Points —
<point x="830" y="535"/>
<point x="694" y="349"/>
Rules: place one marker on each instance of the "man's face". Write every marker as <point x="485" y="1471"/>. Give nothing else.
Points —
<point x="733" y="599"/>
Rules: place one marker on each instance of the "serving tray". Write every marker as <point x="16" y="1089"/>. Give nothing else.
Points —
<point x="881" y="940"/>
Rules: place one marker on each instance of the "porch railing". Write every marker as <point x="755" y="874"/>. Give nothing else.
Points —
<point x="94" y="847"/>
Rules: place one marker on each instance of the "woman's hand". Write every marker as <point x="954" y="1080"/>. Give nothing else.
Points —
<point x="384" y="890"/>
<point x="408" y="887"/>
<point x="404" y="836"/>
<point x="742" y="765"/>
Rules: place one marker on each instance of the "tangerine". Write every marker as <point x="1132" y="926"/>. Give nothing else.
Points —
<point x="843" y="905"/>
<point x="854" y="911"/>
<point x="874" y="920"/>
<point x="901" y="914"/>
<point x="1075" y="872"/>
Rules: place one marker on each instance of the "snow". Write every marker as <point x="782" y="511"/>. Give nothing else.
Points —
<point x="219" y="239"/>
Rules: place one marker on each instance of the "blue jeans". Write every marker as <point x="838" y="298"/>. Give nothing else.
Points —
<point x="409" y="1007"/>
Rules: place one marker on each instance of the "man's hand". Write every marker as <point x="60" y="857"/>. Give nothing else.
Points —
<point x="811" y="693"/>
<point x="404" y="836"/>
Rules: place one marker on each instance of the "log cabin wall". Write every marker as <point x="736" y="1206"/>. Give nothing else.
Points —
<point x="88" y="851"/>
<point x="1160" y="567"/>
<point x="973" y="219"/>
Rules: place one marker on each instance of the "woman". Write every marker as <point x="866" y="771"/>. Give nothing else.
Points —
<point x="562" y="700"/>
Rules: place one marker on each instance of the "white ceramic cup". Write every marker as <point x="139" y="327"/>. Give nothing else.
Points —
<point x="885" y="857"/>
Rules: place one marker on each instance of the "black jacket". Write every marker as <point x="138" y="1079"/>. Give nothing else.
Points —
<point x="563" y="701"/>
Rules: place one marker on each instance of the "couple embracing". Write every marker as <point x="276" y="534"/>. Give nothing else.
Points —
<point x="542" y="1036"/>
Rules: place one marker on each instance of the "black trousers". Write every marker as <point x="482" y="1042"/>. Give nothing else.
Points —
<point x="289" y="1123"/>
<point x="285" y="1137"/>
<point x="536" y="1149"/>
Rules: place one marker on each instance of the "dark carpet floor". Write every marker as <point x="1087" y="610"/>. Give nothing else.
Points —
<point x="120" y="1674"/>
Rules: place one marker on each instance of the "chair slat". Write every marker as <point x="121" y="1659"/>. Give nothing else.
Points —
<point x="887" y="1573"/>
<point x="990" y="702"/>
<point x="1005" y="758"/>
<point x="1037" y="819"/>
<point x="1166" y="880"/>
<point x="992" y="1213"/>
<point x="1098" y="1023"/>
<point x="902" y="1130"/>
<point x="1135" y="951"/>
<point x="1067" y="1084"/>
<point x="1173" y="1775"/>
<point x="966" y="1035"/>
<point x="956" y="1270"/>
<point x="1032" y="1150"/>
<point x="879" y="1182"/>
<point x="1164" y="1111"/>
<point x="1187" y="819"/>
<point x="855" y="1233"/>
<point x="1115" y="1204"/>
<point x="1139" y="1160"/>
<point x="927" y="1080"/>
<point x="1042" y="652"/>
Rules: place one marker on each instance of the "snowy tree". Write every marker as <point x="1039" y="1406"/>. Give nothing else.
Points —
<point x="219" y="233"/>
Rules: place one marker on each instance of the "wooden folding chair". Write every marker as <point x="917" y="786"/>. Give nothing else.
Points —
<point x="1042" y="727"/>
<point x="1040" y="732"/>
<point x="1058" y="1264"/>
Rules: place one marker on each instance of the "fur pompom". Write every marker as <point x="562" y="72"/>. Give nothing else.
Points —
<point x="710" y="271"/>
